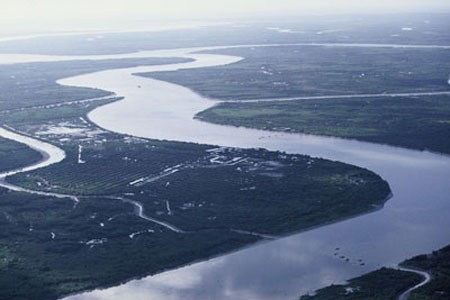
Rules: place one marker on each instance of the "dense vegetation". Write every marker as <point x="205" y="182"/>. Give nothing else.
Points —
<point x="296" y="194"/>
<point x="301" y="191"/>
<point x="109" y="165"/>
<point x="14" y="155"/>
<point x="48" y="248"/>
<point x="438" y="265"/>
<point x="414" y="122"/>
<point x="385" y="284"/>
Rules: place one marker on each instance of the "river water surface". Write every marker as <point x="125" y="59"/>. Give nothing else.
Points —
<point x="414" y="221"/>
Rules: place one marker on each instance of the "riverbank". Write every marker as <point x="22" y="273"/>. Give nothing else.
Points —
<point x="421" y="277"/>
<point x="15" y="155"/>
<point x="416" y="122"/>
<point x="49" y="154"/>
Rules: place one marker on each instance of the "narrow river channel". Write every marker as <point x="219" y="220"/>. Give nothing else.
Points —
<point x="50" y="155"/>
<point x="414" y="221"/>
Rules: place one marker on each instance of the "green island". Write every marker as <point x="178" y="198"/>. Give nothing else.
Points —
<point x="50" y="247"/>
<point x="418" y="122"/>
<point x="421" y="123"/>
<point x="389" y="283"/>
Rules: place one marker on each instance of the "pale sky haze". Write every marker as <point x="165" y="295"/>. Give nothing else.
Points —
<point x="31" y="14"/>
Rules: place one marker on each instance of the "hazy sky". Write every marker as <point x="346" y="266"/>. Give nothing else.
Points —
<point x="18" y="14"/>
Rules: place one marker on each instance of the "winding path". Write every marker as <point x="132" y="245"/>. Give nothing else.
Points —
<point x="142" y="215"/>
<point x="426" y="279"/>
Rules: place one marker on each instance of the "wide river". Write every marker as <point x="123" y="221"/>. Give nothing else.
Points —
<point x="415" y="221"/>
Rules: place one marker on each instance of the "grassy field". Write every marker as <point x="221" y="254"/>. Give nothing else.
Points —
<point x="388" y="284"/>
<point x="414" y="122"/>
